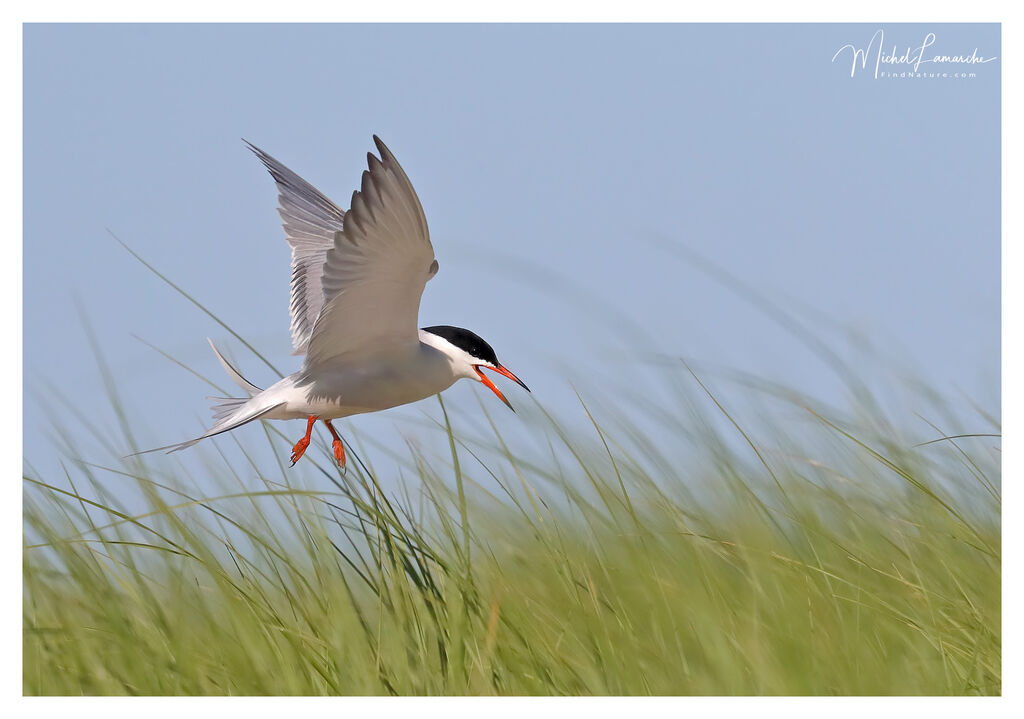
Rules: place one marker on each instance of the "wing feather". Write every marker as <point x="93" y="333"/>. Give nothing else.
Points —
<point x="375" y="271"/>
<point x="310" y="223"/>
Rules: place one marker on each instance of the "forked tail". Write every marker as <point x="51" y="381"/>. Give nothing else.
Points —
<point x="228" y="412"/>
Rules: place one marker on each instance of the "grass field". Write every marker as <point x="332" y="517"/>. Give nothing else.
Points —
<point x="784" y="548"/>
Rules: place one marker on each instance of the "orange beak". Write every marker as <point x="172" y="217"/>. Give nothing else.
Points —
<point x="490" y="385"/>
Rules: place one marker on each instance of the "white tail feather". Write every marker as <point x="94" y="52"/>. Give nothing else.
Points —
<point x="226" y="406"/>
<point x="249" y="387"/>
<point x="226" y="424"/>
<point x="228" y="412"/>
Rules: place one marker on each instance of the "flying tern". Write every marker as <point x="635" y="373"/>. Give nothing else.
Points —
<point x="357" y="279"/>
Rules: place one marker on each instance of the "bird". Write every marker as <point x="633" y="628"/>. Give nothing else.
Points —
<point x="356" y="283"/>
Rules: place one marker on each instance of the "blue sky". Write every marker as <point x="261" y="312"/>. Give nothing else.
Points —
<point x="565" y="172"/>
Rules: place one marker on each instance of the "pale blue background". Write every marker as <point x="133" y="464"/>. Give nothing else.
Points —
<point x="558" y="166"/>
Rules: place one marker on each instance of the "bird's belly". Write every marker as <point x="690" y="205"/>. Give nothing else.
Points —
<point x="340" y="390"/>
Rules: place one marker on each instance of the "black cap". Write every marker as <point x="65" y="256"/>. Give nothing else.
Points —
<point x="469" y="342"/>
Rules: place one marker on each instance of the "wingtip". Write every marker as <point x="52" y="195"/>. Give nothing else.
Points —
<point x="263" y="156"/>
<point x="385" y="153"/>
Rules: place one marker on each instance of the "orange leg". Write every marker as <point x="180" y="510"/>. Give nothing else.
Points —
<point x="300" y="447"/>
<point x="339" y="448"/>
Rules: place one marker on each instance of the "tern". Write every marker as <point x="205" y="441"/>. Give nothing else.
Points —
<point x="357" y="279"/>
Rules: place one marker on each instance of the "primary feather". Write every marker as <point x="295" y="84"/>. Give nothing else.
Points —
<point x="376" y="270"/>
<point x="310" y="222"/>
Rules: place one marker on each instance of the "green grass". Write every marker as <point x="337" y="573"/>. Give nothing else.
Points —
<point x="720" y="535"/>
<point x="792" y="550"/>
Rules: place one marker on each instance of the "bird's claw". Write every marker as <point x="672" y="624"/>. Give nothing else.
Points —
<point x="339" y="453"/>
<point x="299" y="449"/>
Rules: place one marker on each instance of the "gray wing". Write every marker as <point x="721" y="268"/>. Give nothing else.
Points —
<point x="310" y="221"/>
<point x="376" y="270"/>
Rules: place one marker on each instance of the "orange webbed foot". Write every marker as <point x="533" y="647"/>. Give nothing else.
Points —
<point x="339" y="453"/>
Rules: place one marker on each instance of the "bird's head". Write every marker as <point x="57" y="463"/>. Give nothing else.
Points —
<point x="470" y="355"/>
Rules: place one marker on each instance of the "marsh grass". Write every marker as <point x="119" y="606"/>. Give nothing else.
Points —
<point x="778" y="547"/>
<point x="848" y="564"/>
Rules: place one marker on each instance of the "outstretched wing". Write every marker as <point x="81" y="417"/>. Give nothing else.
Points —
<point x="310" y="222"/>
<point x="376" y="269"/>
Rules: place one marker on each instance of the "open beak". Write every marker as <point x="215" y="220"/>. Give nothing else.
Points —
<point x="490" y="385"/>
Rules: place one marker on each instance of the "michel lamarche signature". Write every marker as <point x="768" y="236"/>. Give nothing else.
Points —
<point x="912" y="56"/>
